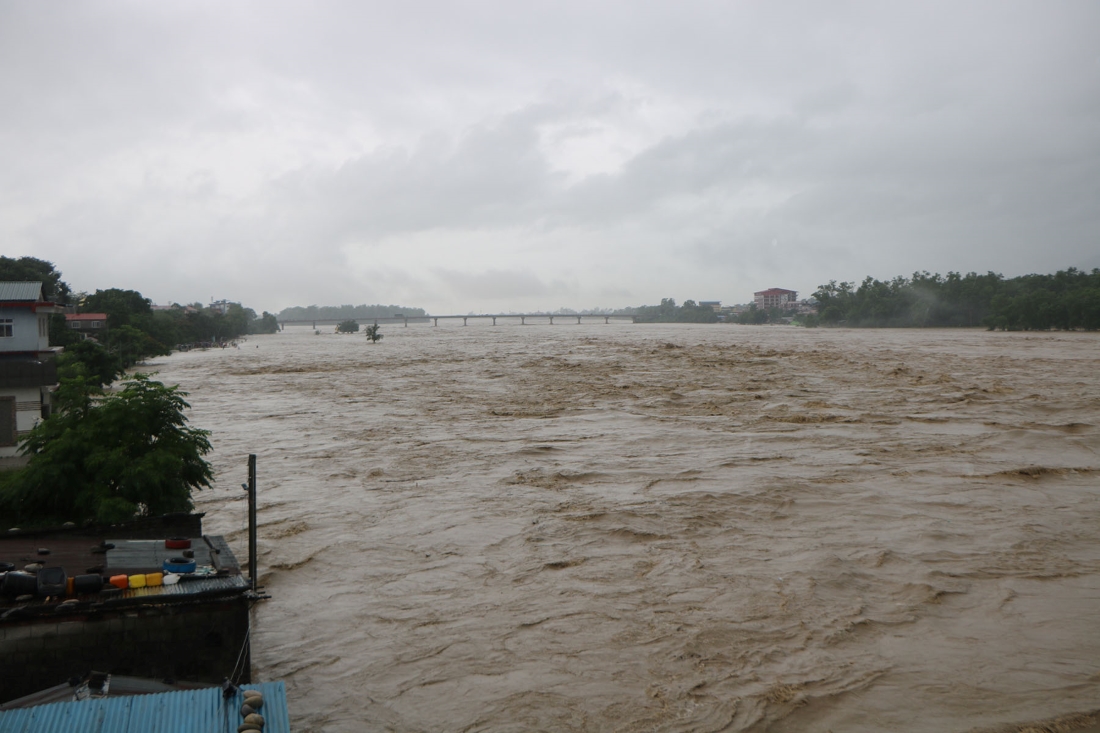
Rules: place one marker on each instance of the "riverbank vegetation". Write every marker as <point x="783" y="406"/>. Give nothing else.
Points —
<point x="1066" y="300"/>
<point x="669" y="312"/>
<point x="135" y="331"/>
<point x="108" y="457"/>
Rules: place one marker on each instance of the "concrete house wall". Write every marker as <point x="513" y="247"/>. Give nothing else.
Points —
<point x="30" y="330"/>
<point x="28" y="373"/>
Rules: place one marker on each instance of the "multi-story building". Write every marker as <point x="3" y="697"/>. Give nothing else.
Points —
<point x="28" y="372"/>
<point x="222" y="306"/>
<point x="775" y="298"/>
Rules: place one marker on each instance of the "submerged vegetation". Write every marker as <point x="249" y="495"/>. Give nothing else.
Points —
<point x="1066" y="300"/>
<point x="669" y="312"/>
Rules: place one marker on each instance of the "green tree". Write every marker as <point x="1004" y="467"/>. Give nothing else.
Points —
<point x="121" y="306"/>
<point x="267" y="323"/>
<point x="753" y="316"/>
<point x="90" y="360"/>
<point x="348" y="326"/>
<point x="669" y="312"/>
<point x="132" y="345"/>
<point x="373" y="333"/>
<point x="110" y="458"/>
<point x="32" y="269"/>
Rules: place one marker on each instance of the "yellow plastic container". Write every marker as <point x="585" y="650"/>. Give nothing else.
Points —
<point x="137" y="581"/>
<point x="154" y="579"/>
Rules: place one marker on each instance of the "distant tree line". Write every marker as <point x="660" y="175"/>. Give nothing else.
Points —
<point x="1067" y="300"/>
<point x="346" y="312"/>
<point x="669" y="312"/>
<point x="134" y="330"/>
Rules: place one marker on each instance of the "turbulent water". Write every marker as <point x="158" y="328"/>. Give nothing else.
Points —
<point x="665" y="527"/>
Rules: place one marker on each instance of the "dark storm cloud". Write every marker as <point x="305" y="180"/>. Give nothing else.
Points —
<point x="285" y="154"/>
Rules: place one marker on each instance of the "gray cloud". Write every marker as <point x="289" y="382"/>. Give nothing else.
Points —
<point x="436" y="153"/>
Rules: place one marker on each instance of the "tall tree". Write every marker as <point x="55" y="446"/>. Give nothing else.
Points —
<point x="121" y="306"/>
<point x="32" y="269"/>
<point x="91" y="361"/>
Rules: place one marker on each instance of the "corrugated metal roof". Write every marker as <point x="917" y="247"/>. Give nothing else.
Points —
<point x="190" y="587"/>
<point x="85" y="316"/>
<point x="20" y="291"/>
<point x="186" y="711"/>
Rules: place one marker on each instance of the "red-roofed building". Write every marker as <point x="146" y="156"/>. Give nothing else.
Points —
<point x="776" y="298"/>
<point x="87" y="324"/>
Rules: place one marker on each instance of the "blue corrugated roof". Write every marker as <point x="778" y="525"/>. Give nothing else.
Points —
<point x="186" y="711"/>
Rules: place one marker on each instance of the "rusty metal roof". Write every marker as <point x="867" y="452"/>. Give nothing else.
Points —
<point x="185" y="711"/>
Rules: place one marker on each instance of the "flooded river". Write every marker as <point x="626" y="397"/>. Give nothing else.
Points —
<point x="665" y="527"/>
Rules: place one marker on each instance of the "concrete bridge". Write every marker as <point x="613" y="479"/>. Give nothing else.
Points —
<point x="523" y="318"/>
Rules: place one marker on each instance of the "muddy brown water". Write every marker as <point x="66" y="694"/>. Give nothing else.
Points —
<point x="665" y="528"/>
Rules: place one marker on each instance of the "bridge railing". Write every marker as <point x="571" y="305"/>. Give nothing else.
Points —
<point x="493" y="317"/>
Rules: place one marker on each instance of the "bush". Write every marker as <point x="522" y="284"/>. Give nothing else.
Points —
<point x="109" y="458"/>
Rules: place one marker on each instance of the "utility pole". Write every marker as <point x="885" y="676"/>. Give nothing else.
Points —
<point x="252" y="520"/>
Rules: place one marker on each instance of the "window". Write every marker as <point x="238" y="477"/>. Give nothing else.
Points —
<point x="96" y="324"/>
<point x="74" y="324"/>
<point x="7" y="328"/>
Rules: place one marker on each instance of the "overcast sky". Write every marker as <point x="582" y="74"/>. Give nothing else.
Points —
<point x="495" y="156"/>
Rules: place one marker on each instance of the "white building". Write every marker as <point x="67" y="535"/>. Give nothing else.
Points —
<point x="28" y="372"/>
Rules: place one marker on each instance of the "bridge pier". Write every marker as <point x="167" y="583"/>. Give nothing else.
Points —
<point x="494" y="320"/>
<point x="578" y="320"/>
<point x="406" y="323"/>
<point x="463" y="320"/>
<point x="435" y="321"/>
<point x="523" y="320"/>
<point x="551" y="320"/>
<point x="315" y="325"/>
<point x="606" y="319"/>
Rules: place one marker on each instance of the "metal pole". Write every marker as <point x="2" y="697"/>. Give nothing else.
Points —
<point x="252" y="519"/>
